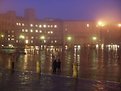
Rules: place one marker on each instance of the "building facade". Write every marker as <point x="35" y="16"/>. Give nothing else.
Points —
<point x="30" y="31"/>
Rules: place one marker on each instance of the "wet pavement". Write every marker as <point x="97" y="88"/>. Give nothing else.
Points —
<point x="30" y="81"/>
<point x="97" y="70"/>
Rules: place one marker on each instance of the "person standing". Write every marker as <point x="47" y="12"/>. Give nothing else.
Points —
<point x="54" y="66"/>
<point x="58" y="65"/>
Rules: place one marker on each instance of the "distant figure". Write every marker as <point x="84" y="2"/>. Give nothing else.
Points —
<point x="75" y="70"/>
<point x="54" y="66"/>
<point x="12" y="66"/>
<point x="58" y="65"/>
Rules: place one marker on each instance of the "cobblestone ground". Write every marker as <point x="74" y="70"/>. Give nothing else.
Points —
<point x="29" y="81"/>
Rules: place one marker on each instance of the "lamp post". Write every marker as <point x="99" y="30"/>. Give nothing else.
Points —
<point x="1" y="38"/>
<point x="42" y="38"/>
<point x="69" y="40"/>
<point x="22" y="38"/>
<point x="119" y="25"/>
<point x="101" y="25"/>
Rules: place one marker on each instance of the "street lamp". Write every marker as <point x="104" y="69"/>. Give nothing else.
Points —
<point x="101" y="24"/>
<point x="1" y="35"/>
<point x="1" y="38"/>
<point x="42" y="37"/>
<point x="69" y="38"/>
<point x="119" y="25"/>
<point x="94" y="38"/>
<point x="22" y="37"/>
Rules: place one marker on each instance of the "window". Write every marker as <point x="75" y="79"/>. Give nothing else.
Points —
<point x="31" y="25"/>
<point x="40" y="31"/>
<point x="26" y="30"/>
<point x="40" y="26"/>
<point x="12" y="39"/>
<point x="44" y="26"/>
<point x="32" y="37"/>
<point x="22" y="30"/>
<point x="36" y="25"/>
<point x="87" y="25"/>
<point x="17" y="24"/>
<point x="31" y="30"/>
<point x="8" y="39"/>
<point x="22" y="24"/>
<point x="55" y="26"/>
<point x="36" y="31"/>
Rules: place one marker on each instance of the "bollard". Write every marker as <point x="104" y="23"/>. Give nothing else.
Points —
<point x="75" y="70"/>
<point x="38" y="70"/>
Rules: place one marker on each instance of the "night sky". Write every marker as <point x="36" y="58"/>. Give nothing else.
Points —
<point x="67" y="9"/>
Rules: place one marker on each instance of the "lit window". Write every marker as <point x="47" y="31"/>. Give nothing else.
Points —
<point x="26" y="30"/>
<point x="12" y="39"/>
<point x="87" y="25"/>
<point x="31" y="30"/>
<point x="22" y="30"/>
<point x="36" y="31"/>
<point x="26" y="41"/>
<point x="44" y="26"/>
<point x="16" y="41"/>
<point x="51" y="32"/>
<point x="48" y="26"/>
<point x="12" y="31"/>
<point x="55" y="41"/>
<point x="40" y="26"/>
<point x="22" y="24"/>
<point x="55" y="26"/>
<point x="31" y="41"/>
<point x="40" y="31"/>
<point x="8" y="35"/>
<point x="12" y="35"/>
<point x="51" y="26"/>
<point x="51" y="41"/>
<point x="44" y="41"/>
<point x="32" y="37"/>
<point x="31" y="25"/>
<point x="48" y="32"/>
<point x="36" y="25"/>
<point x="17" y="24"/>
<point x="8" y="39"/>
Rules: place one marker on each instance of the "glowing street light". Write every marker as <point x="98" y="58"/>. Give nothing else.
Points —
<point x="119" y="25"/>
<point x="42" y="37"/>
<point x="1" y="35"/>
<point x="69" y="38"/>
<point x="22" y="37"/>
<point x="94" y="38"/>
<point x="100" y="23"/>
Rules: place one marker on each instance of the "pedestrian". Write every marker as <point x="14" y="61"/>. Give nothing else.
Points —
<point x="54" y="66"/>
<point x="75" y="70"/>
<point x="58" y="65"/>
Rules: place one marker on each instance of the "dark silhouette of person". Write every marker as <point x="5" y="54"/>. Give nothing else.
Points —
<point x="54" y="66"/>
<point x="58" y="65"/>
<point x="12" y="66"/>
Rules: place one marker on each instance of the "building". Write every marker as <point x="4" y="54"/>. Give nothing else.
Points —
<point x="30" y="31"/>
